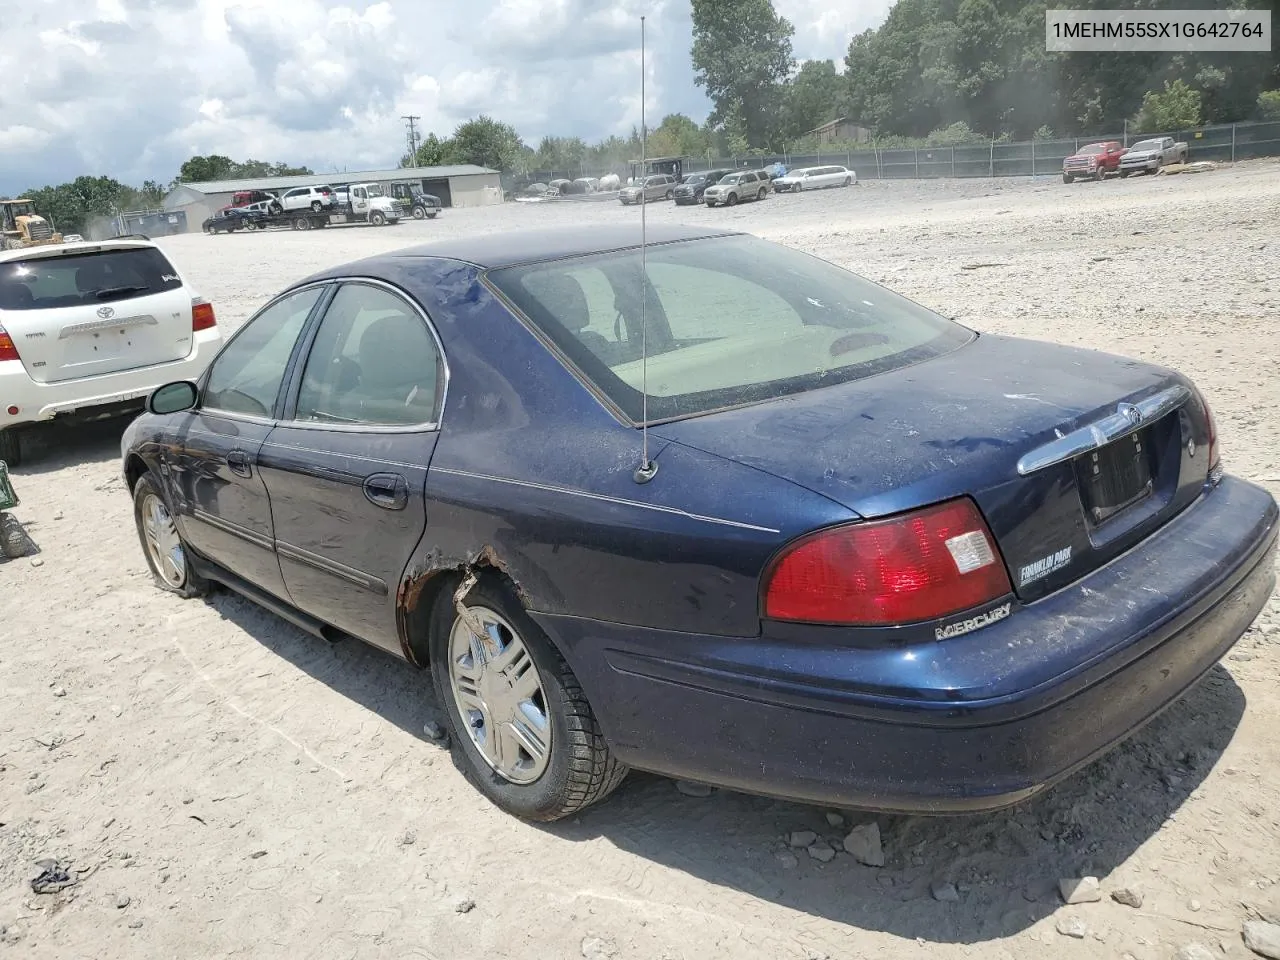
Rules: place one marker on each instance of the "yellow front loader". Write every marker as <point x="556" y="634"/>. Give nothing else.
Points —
<point x="21" y="226"/>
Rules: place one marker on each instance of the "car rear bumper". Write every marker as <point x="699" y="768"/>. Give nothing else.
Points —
<point x="973" y="723"/>
<point x="45" y="401"/>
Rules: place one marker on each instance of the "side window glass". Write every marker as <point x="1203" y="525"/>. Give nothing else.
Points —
<point x="373" y="362"/>
<point x="245" y="377"/>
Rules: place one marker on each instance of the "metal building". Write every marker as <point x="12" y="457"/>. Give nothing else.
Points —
<point x="462" y="185"/>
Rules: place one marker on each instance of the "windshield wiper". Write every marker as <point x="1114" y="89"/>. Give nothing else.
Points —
<point x="118" y="291"/>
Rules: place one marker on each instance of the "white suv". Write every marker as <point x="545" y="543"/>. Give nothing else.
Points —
<point x="88" y="330"/>
<point x="307" y="198"/>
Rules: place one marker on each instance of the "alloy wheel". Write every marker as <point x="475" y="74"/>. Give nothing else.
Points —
<point x="163" y="543"/>
<point x="499" y="695"/>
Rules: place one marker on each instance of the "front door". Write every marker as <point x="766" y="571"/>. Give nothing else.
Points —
<point x="346" y="466"/>
<point x="223" y="508"/>
<point x="359" y="201"/>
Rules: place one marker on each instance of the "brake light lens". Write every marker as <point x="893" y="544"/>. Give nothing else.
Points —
<point x="7" y="349"/>
<point x="917" y="566"/>
<point x="202" y="315"/>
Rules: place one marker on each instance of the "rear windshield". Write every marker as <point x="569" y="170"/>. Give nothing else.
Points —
<point x="730" y="320"/>
<point x="43" y="283"/>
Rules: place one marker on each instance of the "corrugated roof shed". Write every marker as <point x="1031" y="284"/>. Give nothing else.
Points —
<point x="356" y="176"/>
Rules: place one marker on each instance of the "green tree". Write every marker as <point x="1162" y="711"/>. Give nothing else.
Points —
<point x="564" y="155"/>
<point x="488" y="143"/>
<point x="431" y="152"/>
<point x="1174" y="108"/>
<point x="213" y="167"/>
<point x="1269" y="105"/>
<point x="741" y="57"/>
<point x="677" y="136"/>
<point x="814" y="96"/>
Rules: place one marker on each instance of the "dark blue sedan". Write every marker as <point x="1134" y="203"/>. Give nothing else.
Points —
<point x="864" y="556"/>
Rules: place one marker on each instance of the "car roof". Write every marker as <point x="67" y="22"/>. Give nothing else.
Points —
<point x="493" y="251"/>
<point x="73" y="246"/>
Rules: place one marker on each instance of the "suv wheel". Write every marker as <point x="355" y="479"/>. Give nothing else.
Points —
<point x="11" y="446"/>
<point x="764" y="192"/>
<point x="669" y="195"/>
<point x="522" y="727"/>
<point x="731" y="199"/>
<point x="317" y="206"/>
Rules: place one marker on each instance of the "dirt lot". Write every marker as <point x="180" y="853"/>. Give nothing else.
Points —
<point x="228" y="787"/>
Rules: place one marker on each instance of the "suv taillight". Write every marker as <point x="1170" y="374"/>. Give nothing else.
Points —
<point x="916" y="566"/>
<point x="7" y="349"/>
<point x="202" y="316"/>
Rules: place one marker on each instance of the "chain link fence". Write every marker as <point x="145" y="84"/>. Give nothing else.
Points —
<point x="1224" y="143"/>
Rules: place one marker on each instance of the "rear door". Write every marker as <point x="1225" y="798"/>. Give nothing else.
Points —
<point x="95" y="310"/>
<point x="346" y="467"/>
<point x="223" y="507"/>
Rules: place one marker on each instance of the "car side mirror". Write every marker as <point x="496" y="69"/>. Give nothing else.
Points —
<point x="173" y="397"/>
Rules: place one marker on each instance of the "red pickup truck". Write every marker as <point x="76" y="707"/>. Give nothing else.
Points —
<point x="1094" y="161"/>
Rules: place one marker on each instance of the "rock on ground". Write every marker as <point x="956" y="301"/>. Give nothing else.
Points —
<point x="1195" y="951"/>
<point x="1080" y="890"/>
<point x="1128" y="896"/>
<point x="1071" y="926"/>
<point x="1263" y="938"/>
<point x="863" y="844"/>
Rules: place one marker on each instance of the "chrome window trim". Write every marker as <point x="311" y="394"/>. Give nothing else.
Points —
<point x="1101" y="432"/>
<point x="208" y="371"/>
<point x="430" y="426"/>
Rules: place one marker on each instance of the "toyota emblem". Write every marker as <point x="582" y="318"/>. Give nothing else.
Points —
<point x="106" y="313"/>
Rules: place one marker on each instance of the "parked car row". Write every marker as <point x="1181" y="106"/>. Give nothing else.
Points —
<point x="1097" y="160"/>
<point x="727" y="187"/>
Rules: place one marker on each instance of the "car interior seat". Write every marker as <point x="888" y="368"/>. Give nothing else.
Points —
<point x="398" y="371"/>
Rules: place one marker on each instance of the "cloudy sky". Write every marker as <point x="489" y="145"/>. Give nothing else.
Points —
<point x="131" y="88"/>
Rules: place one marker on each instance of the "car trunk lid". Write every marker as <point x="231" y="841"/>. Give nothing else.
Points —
<point x="94" y="310"/>
<point x="1000" y="420"/>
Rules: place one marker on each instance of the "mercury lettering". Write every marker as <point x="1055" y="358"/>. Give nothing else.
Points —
<point x="973" y="623"/>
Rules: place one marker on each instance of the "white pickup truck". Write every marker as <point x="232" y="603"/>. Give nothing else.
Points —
<point x="364" y="203"/>
<point x="1148" y="156"/>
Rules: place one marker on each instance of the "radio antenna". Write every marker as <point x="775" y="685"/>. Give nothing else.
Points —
<point x="647" y="469"/>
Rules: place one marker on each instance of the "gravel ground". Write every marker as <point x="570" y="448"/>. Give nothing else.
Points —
<point x="223" y="786"/>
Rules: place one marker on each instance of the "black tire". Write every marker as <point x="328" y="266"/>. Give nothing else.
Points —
<point x="302" y="223"/>
<point x="192" y="584"/>
<point x="11" y="446"/>
<point x="1067" y="178"/>
<point x="731" y="200"/>
<point x="1099" y="175"/>
<point x="377" y="218"/>
<point x="1124" y="174"/>
<point x="419" y="213"/>
<point x="580" y="771"/>
<point x="764" y="192"/>
<point x="848" y="181"/>
<point x="317" y="206"/>
<point x="669" y="195"/>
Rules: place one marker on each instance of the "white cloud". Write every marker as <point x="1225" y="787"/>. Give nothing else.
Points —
<point x="131" y="88"/>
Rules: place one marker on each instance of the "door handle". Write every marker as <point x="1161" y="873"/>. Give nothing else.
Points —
<point x="238" y="461"/>
<point x="387" y="490"/>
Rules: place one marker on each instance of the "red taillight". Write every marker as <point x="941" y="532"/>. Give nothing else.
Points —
<point x="7" y="349"/>
<point x="917" y="566"/>
<point x="202" y="317"/>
